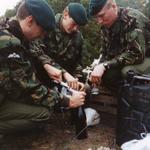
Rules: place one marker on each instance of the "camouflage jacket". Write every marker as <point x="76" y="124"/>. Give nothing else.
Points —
<point x="17" y="74"/>
<point x="65" y="49"/>
<point x="124" y="43"/>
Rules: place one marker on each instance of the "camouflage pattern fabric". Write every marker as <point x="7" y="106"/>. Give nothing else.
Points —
<point x="124" y="44"/>
<point x="17" y="74"/>
<point x="66" y="49"/>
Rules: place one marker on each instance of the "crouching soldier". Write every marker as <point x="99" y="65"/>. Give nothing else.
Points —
<point x="21" y="94"/>
<point x="123" y="43"/>
<point x="64" y="45"/>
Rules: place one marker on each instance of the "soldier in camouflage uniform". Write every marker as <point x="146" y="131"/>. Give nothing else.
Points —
<point x="122" y="41"/>
<point x="21" y="94"/>
<point x="65" y="45"/>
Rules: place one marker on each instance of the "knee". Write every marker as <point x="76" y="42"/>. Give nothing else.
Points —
<point x="126" y="70"/>
<point x="44" y="114"/>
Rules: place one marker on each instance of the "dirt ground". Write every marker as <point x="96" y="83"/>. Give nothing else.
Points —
<point x="60" y="135"/>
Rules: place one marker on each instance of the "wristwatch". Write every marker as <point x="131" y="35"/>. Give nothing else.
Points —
<point x="105" y="64"/>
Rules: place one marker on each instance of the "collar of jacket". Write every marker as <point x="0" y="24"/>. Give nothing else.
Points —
<point x="16" y="30"/>
<point x="58" y="19"/>
<point x="119" y="23"/>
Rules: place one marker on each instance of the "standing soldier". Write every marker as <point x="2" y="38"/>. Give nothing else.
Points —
<point x="123" y="42"/>
<point x="18" y="83"/>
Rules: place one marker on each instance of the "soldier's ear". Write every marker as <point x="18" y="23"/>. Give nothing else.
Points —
<point x="65" y="14"/>
<point x="114" y="5"/>
<point x="115" y="8"/>
<point x="30" y="20"/>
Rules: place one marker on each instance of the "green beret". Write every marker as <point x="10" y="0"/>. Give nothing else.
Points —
<point x="95" y="6"/>
<point x="78" y="13"/>
<point x="42" y="13"/>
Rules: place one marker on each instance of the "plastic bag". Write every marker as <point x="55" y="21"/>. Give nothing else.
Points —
<point x="143" y="144"/>
<point x="92" y="116"/>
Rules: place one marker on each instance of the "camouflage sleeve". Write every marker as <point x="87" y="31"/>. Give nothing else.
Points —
<point x="36" y="50"/>
<point x="134" y="51"/>
<point x="49" y="97"/>
<point x="24" y="85"/>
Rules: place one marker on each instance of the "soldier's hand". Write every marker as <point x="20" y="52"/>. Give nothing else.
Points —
<point x="76" y="85"/>
<point x="73" y="84"/>
<point x="97" y="73"/>
<point x="81" y="86"/>
<point x="77" y="99"/>
<point x="71" y="81"/>
<point x="53" y="72"/>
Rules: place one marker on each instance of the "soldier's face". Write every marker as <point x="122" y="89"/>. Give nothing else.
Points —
<point x="69" y="24"/>
<point x="107" y="16"/>
<point x="31" y="29"/>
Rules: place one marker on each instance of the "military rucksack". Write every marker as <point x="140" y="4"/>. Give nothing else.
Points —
<point x="134" y="109"/>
